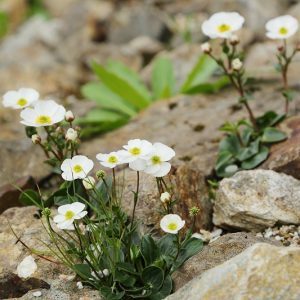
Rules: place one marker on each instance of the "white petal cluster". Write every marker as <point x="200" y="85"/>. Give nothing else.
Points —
<point x="141" y="156"/>
<point x="71" y="135"/>
<point x="165" y="197"/>
<point x="68" y="213"/>
<point x="44" y="113"/>
<point x="76" y="167"/>
<point x="21" y="98"/>
<point x="222" y="24"/>
<point x="171" y="223"/>
<point x="26" y="267"/>
<point x="282" y="27"/>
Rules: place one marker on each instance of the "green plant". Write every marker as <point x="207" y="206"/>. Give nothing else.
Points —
<point x="121" y="94"/>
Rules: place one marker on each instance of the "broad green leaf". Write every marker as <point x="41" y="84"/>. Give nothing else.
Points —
<point x="125" y="279"/>
<point x="273" y="135"/>
<point x="247" y="152"/>
<point x="231" y="144"/>
<point x="164" y="291"/>
<point x="201" y="72"/>
<point x="208" y="87"/>
<point x="30" y="197"/>
<point x="167" y="244"/>
<point x="83" y="270"/>
<point x="224" y="158"/>
<point x="163" y="81"/>
<point x="256" y="160"/>
<point x="153" y="277"/>
<point x="149" y="249"/>
<point x="121" y="87"/>
<point x="100" y="115"/>
<point x="103" y="96"/>
<point x="129" y="75"/>
<point x="268" y="119"/>
<point x="107" y="293"/>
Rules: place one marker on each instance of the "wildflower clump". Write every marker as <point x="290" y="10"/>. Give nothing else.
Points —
<point x="247" y="141"/>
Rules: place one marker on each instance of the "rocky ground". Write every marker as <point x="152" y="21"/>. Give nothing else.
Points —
<point x="257" y="255"/>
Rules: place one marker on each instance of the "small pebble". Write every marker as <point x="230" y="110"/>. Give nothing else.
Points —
<point x="79" y="285"/>
<point x="37" y="294"/>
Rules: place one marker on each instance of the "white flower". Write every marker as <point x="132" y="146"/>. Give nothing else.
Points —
<point x="171" y="223"/>
<point x="44" y="113"/>
<point x="157" y="161"/>
<point x="237" y="64"/>
<point x="77" y="167"/>
<point x="136" y="151"/>
<point x="109" y="160"/>
<point x="205" y="47"/>
<point x="222" y="24"/>
<point x="26" y="267"/>
<point x="21" y="98"/>
<point x="165" y="197"/>
<point x="68" y="213"/>
<point x="89" y="182"/>
<point x="281" y="27"/>
<point x="71" y="134"/>
<point x="69" y="116"/>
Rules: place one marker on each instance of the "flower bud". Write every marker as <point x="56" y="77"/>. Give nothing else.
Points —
<point x="165" y="197"/>
<point x="36" y="139"/>
<point x="234" y="40"/>
<point x="194" y="211"/>
<point x="89" y="182"/>
<point x="206" y="48"/>
<point x="71" y="134"/>
<point x="100" y="174"/>
<point x="46" y="212"/>
<point x="69" y="116"/>
<point x="237" y="64"/>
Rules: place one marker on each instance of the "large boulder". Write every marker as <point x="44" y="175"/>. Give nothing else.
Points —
<point x="216" y="253"/>
<point x="257" y="199"/>
<point x="261" y="272"/>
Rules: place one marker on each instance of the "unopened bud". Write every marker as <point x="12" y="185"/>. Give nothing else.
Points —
<point x="100" y="174"/>
<point x="71" y="135"/>
<point x="46" y="212"/>
<point x="89" y="182"/>
<point x="206" y="48"/>
<point x="194" y="211"/>
<point x="234" y="40"/>
<point x="237" y="64"/>
<point x="36" y="139"/>
<point x="165" y="197"/>
<point x="69" y="116"/>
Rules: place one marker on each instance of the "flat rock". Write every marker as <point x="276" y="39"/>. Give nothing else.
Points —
<point x="216" y="253"/>
<point x="257" y="199"/>
<point x="260" y="272"/>
<point x="285" y="157"/>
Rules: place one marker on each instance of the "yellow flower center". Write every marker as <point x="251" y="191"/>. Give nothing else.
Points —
<point x="283" y="30"/>
<point x="77" y="168"/>
<point x="112" y="159"/>
<point x="172" y="226"/>
<point x="22" y="102"/>
<point x="223" y="28"/>
<point x="135" y="151"/>
<point x="69" y="215"/>
<point x="42" y="119"/>
<point x="155" y="159"/>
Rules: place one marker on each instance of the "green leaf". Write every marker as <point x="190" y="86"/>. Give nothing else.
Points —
<point x="246" y="153"/>
<point x="273" y="135"/>
<point x="201" y="72"/>
<point x="165" y="290"/>
<point x="107" y="293"/>
<point x="122" y="87"/>
<point x="153" y="277"/>
<point x="103" y="96"/>
<point x="256" y="160"/>
<point x="224" y="158"/>
<point x="163" y="81"/>
<point x="83" y="270"/>
<point x="125" y="279"/>
<point x="30" y="197"/>
<point x="167" y="245"/>
<point x="231" y="144"/>
<point x="208" y="87"/>
<point x="100" y="116"/>
<point x="129" y="75"/>
<point x="149" y="249"/>
<point x="270" y="118"/>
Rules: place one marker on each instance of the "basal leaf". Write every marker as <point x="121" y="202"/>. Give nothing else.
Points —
<point x="257" y="159"/>
<point x="273" y="135"/>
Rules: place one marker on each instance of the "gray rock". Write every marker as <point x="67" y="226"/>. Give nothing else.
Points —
<point x="216" y="253"/>
<point x="262" y="272"/>
<point x="257" y="199"/>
